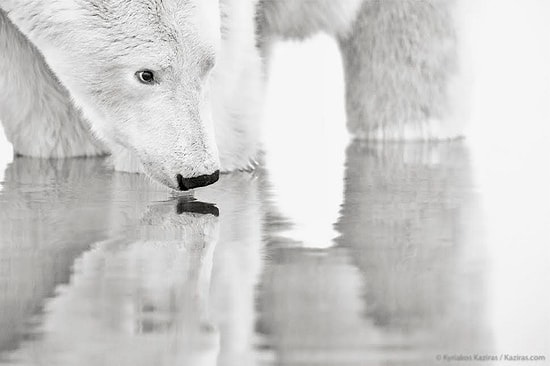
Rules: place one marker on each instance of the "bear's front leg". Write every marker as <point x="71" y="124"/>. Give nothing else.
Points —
<point x="38" y="116"/>
<point x="401" y="68"/>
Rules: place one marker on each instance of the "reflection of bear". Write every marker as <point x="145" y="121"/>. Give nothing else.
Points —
<point x="173" y="282"/>
<point x="44" y="228"/>
<point x="406" y="278"/>
<point x="152" y="281"/>
<point x="411" y="222"/>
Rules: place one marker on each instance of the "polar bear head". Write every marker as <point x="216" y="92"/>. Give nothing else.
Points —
<point x="139" y="70"/>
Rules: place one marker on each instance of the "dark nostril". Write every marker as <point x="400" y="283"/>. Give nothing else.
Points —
<point x="186" y="184"/>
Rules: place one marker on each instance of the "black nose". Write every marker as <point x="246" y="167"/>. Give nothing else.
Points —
<point x="186" y="184"/>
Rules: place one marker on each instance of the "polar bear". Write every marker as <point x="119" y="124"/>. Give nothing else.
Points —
<point x="140" y="73"/>
<point x="175" y="88"/>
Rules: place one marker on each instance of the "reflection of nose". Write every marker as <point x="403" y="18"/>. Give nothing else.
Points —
<point x="186" y="184"/>
<point x="203" y="208"/>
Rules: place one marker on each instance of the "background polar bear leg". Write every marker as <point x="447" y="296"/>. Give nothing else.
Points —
<point x="237" y="87"/>
<point x="400" y="60"/>
<point x="38" y="116"/>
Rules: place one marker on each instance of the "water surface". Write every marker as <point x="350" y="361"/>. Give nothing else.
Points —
<point x="104" y="268"/>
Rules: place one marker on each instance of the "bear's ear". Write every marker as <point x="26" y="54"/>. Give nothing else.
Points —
<point x="43" y="19"/>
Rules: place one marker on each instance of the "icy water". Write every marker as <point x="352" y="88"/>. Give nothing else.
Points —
<point x="102" y="268"/>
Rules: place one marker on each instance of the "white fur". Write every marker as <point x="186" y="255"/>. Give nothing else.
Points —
<point x="402" y="63"/>
<point x="237" y="87"/>
<point x="95" y="50"/>
<point x="303" y="18"/>
<point x="40" y="120"/>
<point x="399" y="59"/>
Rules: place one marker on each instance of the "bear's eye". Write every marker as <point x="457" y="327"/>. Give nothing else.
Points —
<point x="146" y="77"/>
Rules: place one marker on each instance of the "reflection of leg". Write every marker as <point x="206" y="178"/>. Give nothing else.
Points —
<point x="38" y="116"/>
<point x="203" y="262"/>
<point x="411" y="221"/>
<point x="75" y="173"/>
<point x="399" y="59"/>
<point x="43" y="229"/>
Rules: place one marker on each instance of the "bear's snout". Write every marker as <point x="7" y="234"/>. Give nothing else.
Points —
<point x="186" y="184"/>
